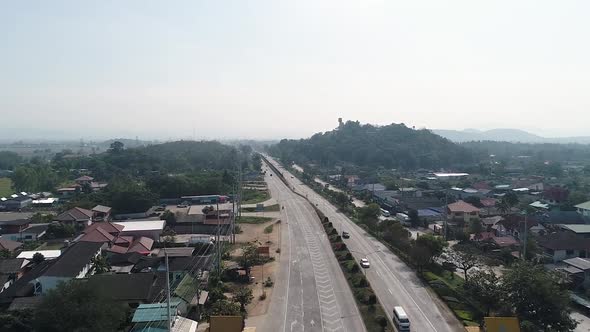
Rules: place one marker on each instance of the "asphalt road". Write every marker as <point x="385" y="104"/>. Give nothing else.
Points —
<point x="311" y="292"/>
<point x="393" y="281"/>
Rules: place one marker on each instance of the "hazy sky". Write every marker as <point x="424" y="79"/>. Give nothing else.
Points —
<point x="271" y="69"/>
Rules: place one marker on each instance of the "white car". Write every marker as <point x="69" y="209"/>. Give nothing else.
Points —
<point x="365" y="263"/>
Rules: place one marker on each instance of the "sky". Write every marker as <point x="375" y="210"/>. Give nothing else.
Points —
<point x="287" y="69"/>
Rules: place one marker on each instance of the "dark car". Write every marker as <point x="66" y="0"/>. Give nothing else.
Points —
<point x="345" y="235"/>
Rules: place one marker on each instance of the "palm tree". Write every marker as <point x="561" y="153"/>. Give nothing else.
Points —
<point x="100" y="264"/>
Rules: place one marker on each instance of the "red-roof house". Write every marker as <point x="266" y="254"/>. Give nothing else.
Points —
<point x="97" y="235"/>
<point x="77" y="217"/>
<point x="111" y="228"/>
<point x="462" y="211"/>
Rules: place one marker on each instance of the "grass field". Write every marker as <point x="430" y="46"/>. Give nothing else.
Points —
<point x="268" y="208"/>
<point x="253" y="220"/>
<point x="5" y="187"/>
<point x="254" y="196"/>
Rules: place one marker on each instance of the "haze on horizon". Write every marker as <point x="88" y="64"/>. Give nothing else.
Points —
<point x="274" y="69"/>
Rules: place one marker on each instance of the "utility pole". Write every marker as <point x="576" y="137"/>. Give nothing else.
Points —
<point x="168" y="290"/>
<point x="446" y="215"/>
<point x="218" y="242"/>
<point x="525" y="235"/>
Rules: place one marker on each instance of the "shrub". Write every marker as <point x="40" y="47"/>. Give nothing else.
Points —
<point x="359" y="281"/>
<point x="262" y="296"/>
<point x="268" y="282"/>
<point x="352" y="266"/>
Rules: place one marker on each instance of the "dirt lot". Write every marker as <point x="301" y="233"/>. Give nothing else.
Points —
<point x="255" y="233"/>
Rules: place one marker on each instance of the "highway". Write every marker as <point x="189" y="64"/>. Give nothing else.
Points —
<point x="393" y="281"/>
<point x="310" y="292"/>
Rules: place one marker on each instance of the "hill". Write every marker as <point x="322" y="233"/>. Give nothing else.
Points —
<point x="391" y="146"/>
<point x="505" y="135"/>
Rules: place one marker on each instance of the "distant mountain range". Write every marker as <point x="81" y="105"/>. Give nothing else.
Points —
<point x="505" y="135"/>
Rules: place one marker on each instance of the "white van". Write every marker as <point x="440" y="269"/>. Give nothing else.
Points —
<point x="400" y="319"/>
<point x="385" y="213"/>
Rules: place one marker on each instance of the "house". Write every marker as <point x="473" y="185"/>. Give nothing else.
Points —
<point x="101" y="213"/>
<point x="555" y="195"/>
<point x="563" y="245"/>
<point x="6" y="244"/>
<point x="16" y="202"/>
<point x="123" y="263"/>
<point x="180" y="266"/>
<point x="462" y="211"/>
<point x="578" y="269"/>
<point x="48" y="254"/>
<point x="25" y="286"/>
<point x="110" y="227"/>
<point x="45" y="202"/>
<point x="429" y="215"/>
<point x="98" y="235"/>
<point x="14" y="226"/>
<point x="22" y="230"/>
<point x="148" y="228"/>
<point x="132" y="289"/>
<point x="77" y="217"/>
<point x="84" y="180"/>
<point x="11" y="270"/>
<point x="154" y="316"/>
<point x="581" y="230"/>
<point x="176" y="252"/>
<point x="74" y="263"/>
<point x="67" y="191"/>
<point x="352" y="180"/>
<point x="370" y="187"/>
<point x="31" y="233"/>
<point x="583" y="209"/>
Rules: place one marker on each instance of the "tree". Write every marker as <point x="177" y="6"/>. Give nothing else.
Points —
<point x="414" y="219"/>
<point x="249" y="257"/>
<point x="538" y="297"/>
<point x="224" y="308"/>
<point x="60" y="231"/>
<point x="243" y="296"/>
<point x="169" y="217"/>
<point x="16" y="321"/>
<point x="474" y="200"/>
<point x="463" y="258"/>
<point x="434" y="244"/>
<point x="475" y="227"/>
<point x="79" y="307"/>
<point x="5" y="254"/>
<point x="503" y="206"/>
<point x="116" y="147"/>
<point x="485" y="287"/>
<point x="369" y="215"/>
<point x="100" y="264"/>
<point x="38" y="258"/>
<point x="421" y="256"/>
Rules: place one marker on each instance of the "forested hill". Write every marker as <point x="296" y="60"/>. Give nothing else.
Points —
<point x="173" y="157"/>
<point x="391" y="146"/>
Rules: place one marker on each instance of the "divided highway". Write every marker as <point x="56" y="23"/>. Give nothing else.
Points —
<point x="311" y="292"/>
<point x="393" y="281"/>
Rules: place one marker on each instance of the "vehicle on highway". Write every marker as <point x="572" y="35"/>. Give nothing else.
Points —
<point x="345" y="235"/>
<point x="385" y="213"/>
<point x="182" y="205"/>
<point x="400" y="319"/>
<point x="160" y="208"/>
<point x="365" y="263"/>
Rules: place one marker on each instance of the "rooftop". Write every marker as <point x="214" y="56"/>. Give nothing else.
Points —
<point x="580" y="263"/>
<point x="577" y="228"/>
<point x="127" y="287"/>
<point x="7" y="244"/>
<point x="75" y="214"/>
<point x="461" y="206"/>
<point x="142" y="225"/>
<point x="101" y="209"/>
<point x="12" y="265"/>
<point x="74" y="259"/>
<point x="584" y="206"/>
<point x="107" y="226"/>
<point x="154" y="312"/>
<point x="48" y="254"/>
